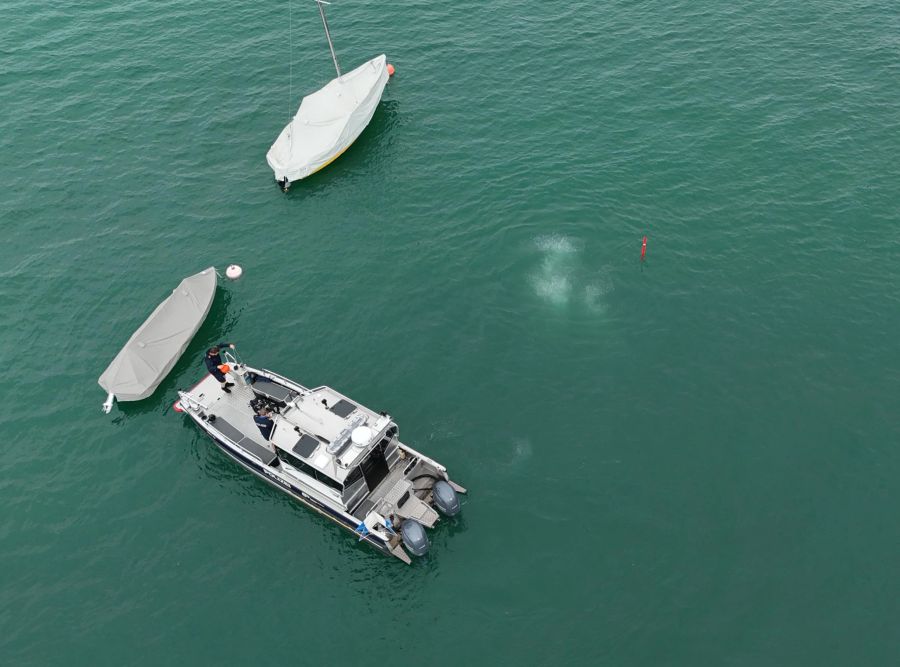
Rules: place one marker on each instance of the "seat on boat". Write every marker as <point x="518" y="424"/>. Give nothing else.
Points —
<point x="272" y="391"/>
<point x="237" y="437"/>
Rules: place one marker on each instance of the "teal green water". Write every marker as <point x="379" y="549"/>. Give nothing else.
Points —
<point x="693" y="463"/>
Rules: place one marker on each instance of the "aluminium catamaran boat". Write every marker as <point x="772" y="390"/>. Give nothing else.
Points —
<point x="328" y="120"/>
<point x="330" y="453"/>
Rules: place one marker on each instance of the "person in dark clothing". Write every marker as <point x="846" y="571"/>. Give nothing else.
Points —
<point x="264" y="423"/>
<point x="213" y="360"/>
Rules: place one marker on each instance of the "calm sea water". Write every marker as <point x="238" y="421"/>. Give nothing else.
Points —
<point x="693" y="462"/>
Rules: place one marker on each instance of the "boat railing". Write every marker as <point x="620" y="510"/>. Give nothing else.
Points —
<point x="191" y="402"/>
<point x="287" y="382"/>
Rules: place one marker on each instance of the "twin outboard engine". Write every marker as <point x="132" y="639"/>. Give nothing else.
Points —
<point x="445" y="498"/>
<point x="414" y="537"/>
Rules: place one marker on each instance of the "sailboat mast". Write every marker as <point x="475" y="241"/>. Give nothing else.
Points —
<point x="328" y="34"/>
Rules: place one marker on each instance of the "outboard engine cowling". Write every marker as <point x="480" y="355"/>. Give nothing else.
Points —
<point x="414" y="537"/>
<point x="445" y="498"/>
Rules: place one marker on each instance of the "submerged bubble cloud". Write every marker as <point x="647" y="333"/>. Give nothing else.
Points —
<point x="563" y="277"/>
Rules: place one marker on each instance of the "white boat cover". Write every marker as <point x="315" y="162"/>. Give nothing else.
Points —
<point x="328" y="121"/>
<point x="153" y="349"/>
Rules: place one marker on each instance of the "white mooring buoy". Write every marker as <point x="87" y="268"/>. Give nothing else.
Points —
<point x="234" y="271"/>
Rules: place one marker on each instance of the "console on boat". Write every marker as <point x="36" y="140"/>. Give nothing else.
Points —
<point x="328" y="451"/>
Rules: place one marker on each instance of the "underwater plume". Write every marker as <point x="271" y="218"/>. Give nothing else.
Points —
<point x="564" y="276"/>
<point x="553" y="280"/>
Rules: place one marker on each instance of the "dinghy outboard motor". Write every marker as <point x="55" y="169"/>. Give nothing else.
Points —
<point x="414" y="537"/>
<point x="445" y="498"/>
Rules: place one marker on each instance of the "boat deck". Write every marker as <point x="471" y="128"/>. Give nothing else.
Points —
<point x="379" y="492"/>
<point x="234" y="416"/>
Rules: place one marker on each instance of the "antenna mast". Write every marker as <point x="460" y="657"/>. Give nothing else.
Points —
<point x="328" y="34"/>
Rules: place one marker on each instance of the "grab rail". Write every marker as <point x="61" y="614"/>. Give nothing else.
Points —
<point x="190" y="402"/>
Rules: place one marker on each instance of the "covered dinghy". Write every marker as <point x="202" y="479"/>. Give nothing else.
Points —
<point x="327" y="122"/>
<point x="153" y="349"/>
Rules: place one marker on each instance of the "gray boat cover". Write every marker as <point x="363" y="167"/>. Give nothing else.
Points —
<point x="153" y="349"/>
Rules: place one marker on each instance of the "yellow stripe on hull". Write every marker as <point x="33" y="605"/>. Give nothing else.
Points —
<point x="329" y="162"/>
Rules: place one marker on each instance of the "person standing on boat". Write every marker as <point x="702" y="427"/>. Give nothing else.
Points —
<point x="213" y="360"/>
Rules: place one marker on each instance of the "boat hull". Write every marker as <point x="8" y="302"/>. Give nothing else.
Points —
<point x="295" y="493"/>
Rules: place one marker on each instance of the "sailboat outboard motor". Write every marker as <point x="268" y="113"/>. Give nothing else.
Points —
<point x="414" y="537"/>
<point x="284" y="184"/>
<point x="445" y="498"/>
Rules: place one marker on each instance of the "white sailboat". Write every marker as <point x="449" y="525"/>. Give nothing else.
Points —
<point x="328" y="120"/>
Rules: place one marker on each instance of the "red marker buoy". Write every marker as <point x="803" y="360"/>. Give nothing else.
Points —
<point x="643" y="248"/>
